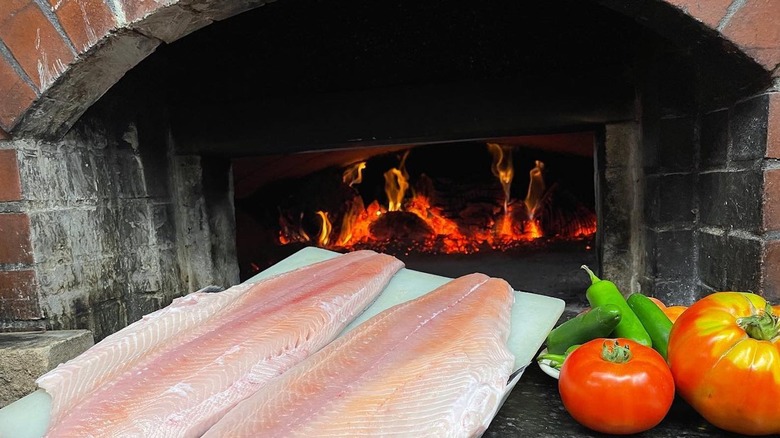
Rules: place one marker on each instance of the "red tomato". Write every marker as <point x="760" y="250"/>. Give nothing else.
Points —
<point x="628" y="393"/>
<point x="724" y="352"/>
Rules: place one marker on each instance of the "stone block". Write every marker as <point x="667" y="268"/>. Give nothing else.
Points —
<point x="749" y="122"/>
<point x="743" y="257"/>
<point x="26" y="356"/>
<point x="676" y="198"/>
<point x="675" y="256"/>
<point x="713" y="249"/>
<point x="714" y="139"/>
<point x="731" y="199"/>
<point x="50" y="231"/>
<point x="745" y="191"/>
<point x="773" y="127"/>
<point x="676" y="147"/>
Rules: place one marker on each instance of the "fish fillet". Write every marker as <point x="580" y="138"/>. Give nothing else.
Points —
<point x="436" y="366"/>
<point x="184" y="366"/>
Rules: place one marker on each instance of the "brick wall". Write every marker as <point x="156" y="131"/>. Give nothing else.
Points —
<point x="709" y="188"/>
<point x="96" y="217"/>
<point x="108" y="224"/>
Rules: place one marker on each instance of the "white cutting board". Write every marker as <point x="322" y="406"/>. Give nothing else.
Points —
<point x="533" y="316"/>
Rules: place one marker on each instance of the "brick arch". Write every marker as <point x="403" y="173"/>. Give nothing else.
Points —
<point x="57" y="57"/>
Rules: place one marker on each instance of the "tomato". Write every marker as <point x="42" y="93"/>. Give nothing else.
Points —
<point x="724" y="352"/>
<point x="674" y="312"/>
<point x="616" y="386"/>
<point x="658" y="302"/>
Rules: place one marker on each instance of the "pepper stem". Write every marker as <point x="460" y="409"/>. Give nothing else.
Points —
<point x="762" y="326"/>
<point x="615" y="352"/>
<point x="593" y="278"/>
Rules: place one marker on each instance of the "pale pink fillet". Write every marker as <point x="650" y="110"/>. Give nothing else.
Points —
<point x="436" y="366"/>
<point x="185" y="379"/>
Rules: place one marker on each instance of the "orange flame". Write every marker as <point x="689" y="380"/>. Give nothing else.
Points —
<point x="503" y="169"/>
<point x="354" y="174"/>
<point x="325" y="229"/>
<point x="395" y="188"/>
<point x="445" y="233"/>
<point x="536" y="189"/>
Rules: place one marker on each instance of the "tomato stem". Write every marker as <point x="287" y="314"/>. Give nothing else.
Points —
<point x="763" y="326"/>
<point x="615" y="352"/>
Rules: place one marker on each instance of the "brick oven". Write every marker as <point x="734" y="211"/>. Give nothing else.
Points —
<point x="120" y="122"/>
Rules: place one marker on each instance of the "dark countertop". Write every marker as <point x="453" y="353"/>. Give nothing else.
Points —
<point x="534" y="409"/>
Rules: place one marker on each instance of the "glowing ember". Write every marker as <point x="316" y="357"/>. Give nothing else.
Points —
<point x="430" y="227"/>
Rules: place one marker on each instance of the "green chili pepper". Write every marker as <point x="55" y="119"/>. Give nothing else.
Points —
<point x="597" y="322"/>
<point x="602" y="292"/>
<point x="655" y="321"/>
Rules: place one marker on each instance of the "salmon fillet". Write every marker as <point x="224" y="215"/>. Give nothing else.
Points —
<point x="177" y="371"/>
<point x="435" y="366"/>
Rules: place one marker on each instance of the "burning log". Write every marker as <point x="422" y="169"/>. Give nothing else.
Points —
<point x="401" y="225"/>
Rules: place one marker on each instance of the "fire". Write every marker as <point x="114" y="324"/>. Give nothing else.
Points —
<point x="433" y="227"/>
<point x="354" y="174"/>
<point x="536" y="189"/>
<point x="325" y="229"/>
<point x="395" y="188"/>
<point x="503" y="169"/>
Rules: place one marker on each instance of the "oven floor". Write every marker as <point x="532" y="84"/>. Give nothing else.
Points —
<point x="552" y="269"/>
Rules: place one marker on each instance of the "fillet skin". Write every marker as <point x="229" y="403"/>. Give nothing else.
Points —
<point x="436" y="366"/>
<point x="195" y="365"/>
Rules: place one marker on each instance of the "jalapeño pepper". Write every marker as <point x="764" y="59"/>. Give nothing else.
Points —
<point x="602" y="292"/>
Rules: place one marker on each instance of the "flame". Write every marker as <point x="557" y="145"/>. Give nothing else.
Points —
<point x="348" y="223"/>
<point x="325" y="228"/>
<point x="503" y="169"/>
<point x="536" y="189"/>
<point x="533" y="229"/>
<point x="354" y="174"/>
<point x="445" y="233"/>
<point x="395" y="188"/>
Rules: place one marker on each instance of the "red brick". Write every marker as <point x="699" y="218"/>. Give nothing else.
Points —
<point x="85" y="21"/>
<point x="17" y="96"/>
<point x="19" y="295"/>
<point x="15" y="247"/>
<point x="36" y="44"/>
<point x="9" y="8"/>
<point x="709" y="12"/>
<point x="4" y="135"/>
<point x="772" y="200"/>
<point x="135" y="10"/>
<point x="755" y="28"/>
<point x="773" y="127"/>
<point x="770" y="276"/>
<point x="10" y="184"/>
